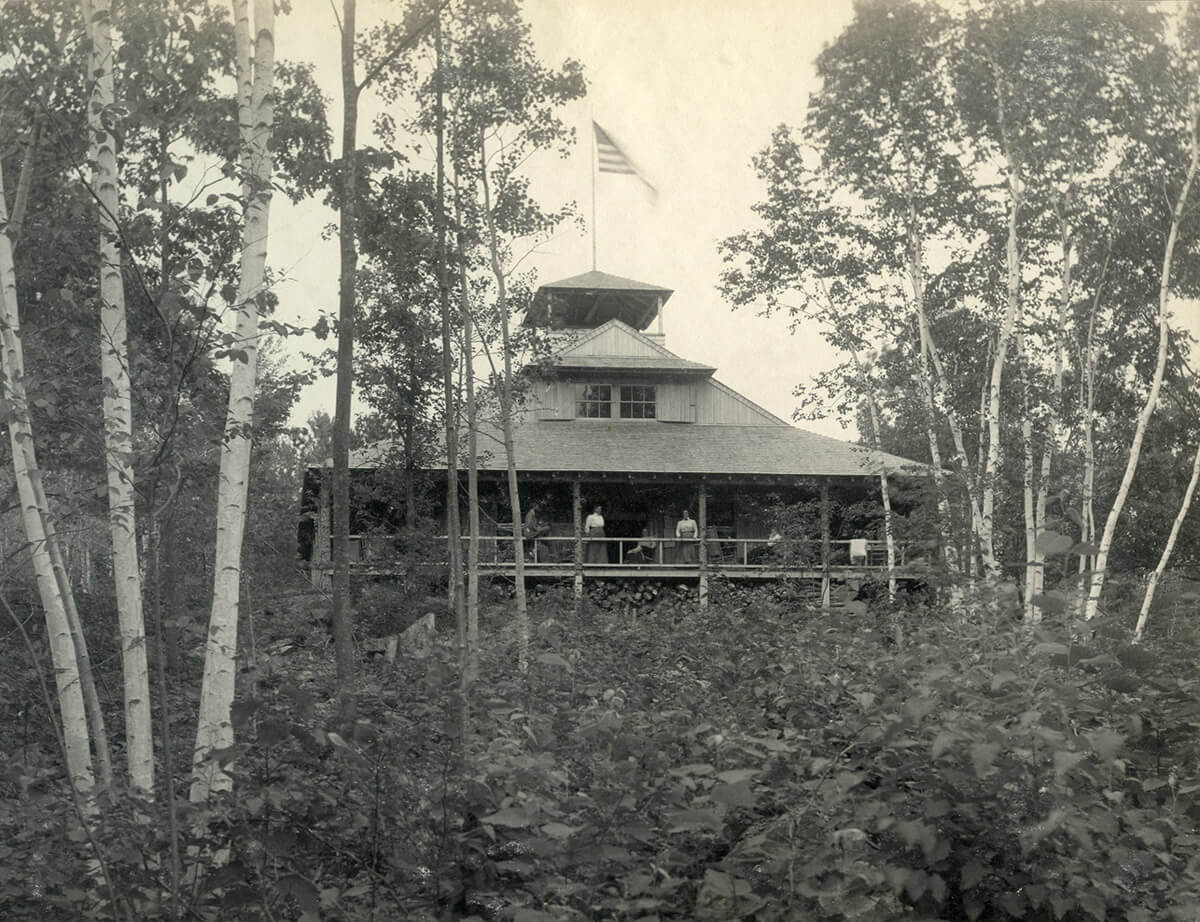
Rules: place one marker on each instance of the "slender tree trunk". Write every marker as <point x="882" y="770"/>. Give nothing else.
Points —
<point x="472" y="449"/>
<point x="1052" y="434"/>
<point x="970" y="479"/>
<point x="884" y="492"/>
<point x="1031" y="613"/>
<point x="118" y="407"/>
<point x="255" y="117"/>
<point x="453" y="521"/>
<point x="1144" y="615"/>
<point x="1164" y="334"/>
<point x="916" y="274"/>
<point x="1087" y="511"/>
<point x="72" y="710"/>
<point x="87" y="679"/>
<point x="506" y="416"/>
<point x="343" y="633"/>
<point x="991" y="469"/>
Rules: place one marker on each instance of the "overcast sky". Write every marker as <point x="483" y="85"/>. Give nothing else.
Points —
<point x="691" y="90"/>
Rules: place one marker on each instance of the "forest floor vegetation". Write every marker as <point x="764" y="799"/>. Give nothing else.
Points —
<point x="752" y="761"/>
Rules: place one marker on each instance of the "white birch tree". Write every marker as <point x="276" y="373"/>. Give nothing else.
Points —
<point x="255" y="87"/>
<point x="1095" y="587"/>
<point x="1139" y="632"/>
<point x="118" y="400"/>
<point x="33" y="517"/>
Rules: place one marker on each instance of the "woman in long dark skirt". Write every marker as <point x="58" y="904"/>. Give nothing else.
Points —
<point x="593" y="527"/>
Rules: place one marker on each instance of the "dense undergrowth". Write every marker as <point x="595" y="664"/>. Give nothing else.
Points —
<point x="754" y="761"/>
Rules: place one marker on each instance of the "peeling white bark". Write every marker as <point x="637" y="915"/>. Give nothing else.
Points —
<point x="1144" y="615"/>
<point x="20" y="432"/>
<point x="1096" y="588"/>
<point x="118" y="406"/>
<point x="255" y="116"/>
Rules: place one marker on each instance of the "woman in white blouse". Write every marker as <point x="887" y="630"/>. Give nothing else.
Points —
<point x="593" y="527"/>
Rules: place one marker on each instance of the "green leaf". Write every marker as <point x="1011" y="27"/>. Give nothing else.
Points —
<point x="304" y="891"/>
<point x="693" y="821"/>
<point x="972" y="873"/>
<point x="1052" y="542"/>
<point x="942" y="743"/>
<point x="560" y="830"/>
<point x="1064" y="761"/>
<point x="1051" y="649"/>
<point x="1106" y="743"/>
<point x="982" y="757"/>
<point x="735" y="775"/>
<point x="513" y="817"/>
<point x="1050" y="602"/>
<point x="525" y="914"/>
<point x="554" y="659"/>
<point x="734" y="795"/>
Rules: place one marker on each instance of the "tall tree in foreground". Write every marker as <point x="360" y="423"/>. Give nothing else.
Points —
<point x="1190" y="90"/>
<point x="449" y="391"/>
<point x="1186" y="504"/>
<point x="118" y="400"/>
<point x="16" y="408"/>
<point x="255" y="88"/>
<point x="506" y="108"/>
<point x="347" y="193"/>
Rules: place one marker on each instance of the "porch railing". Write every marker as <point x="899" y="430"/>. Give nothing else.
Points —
<point x="649" y="552"/>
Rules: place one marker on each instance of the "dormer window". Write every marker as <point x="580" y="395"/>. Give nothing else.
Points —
<point x="593" y="401"/>
<point x="638" y="401"/>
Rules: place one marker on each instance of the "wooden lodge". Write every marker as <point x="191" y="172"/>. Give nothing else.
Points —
<point x="618" y="421"/>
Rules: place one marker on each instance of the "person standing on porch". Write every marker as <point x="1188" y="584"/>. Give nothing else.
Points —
<point x="534" y="529"/>
<point x="686" y="530"/>
<point x="593" y="527"/>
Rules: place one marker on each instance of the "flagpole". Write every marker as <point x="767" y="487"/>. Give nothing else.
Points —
<point x="594" y="168"/>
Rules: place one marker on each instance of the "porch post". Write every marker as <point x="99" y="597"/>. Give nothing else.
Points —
<point x="319" y="575"/>
<point x="576" y="502"/>
<point x="825" y="515"/>
<point x="703" y="544"/>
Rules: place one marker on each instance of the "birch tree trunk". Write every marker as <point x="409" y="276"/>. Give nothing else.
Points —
<point x="118" y="406"/>
<point x="506" y="417"/>
<point x="472" y="453"/>
<point x="1096" y="588"/>
<point x="71" y="706"/>
<point x="1087" y="516"/>
<point x="1031" y="613"/>
<point x="884" y="493"/>
<point x="991" y="468"/>
<point x="453" y="520"/>
<point x="255" y="117"/>
<point x="916" y="273"/>
<point x="1052" y="435"/>
<point x="1139" y="632"/>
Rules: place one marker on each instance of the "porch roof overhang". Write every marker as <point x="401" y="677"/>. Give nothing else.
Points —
<point x="651" y="450"/>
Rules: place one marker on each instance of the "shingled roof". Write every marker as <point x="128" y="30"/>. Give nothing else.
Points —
<point x="646" y="447"/>
<point x="594" y="297"/>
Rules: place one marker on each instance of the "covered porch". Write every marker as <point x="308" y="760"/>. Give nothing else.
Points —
<point x="749" y="527"/>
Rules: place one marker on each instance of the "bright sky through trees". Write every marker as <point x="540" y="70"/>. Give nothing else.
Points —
<point x="690" y="90"/>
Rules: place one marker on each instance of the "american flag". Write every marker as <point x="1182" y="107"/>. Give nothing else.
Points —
<point x="611" y="157"/>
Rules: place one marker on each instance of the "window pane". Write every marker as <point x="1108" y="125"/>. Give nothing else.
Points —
<point x="637" y="401"/>
<point x="593" y="401"/>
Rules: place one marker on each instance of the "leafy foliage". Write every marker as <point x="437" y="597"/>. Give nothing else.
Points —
<point x="812" y="770"/>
